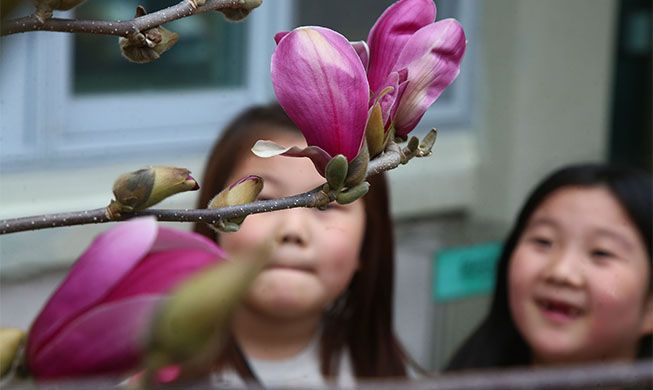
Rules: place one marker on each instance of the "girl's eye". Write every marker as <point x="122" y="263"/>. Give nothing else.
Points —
<point x="601" y="253"/>
<point x="541" y="242"/>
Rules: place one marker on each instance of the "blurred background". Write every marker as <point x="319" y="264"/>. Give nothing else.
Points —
<point x="542" y="84"/>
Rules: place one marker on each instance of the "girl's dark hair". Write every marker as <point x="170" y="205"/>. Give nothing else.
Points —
<point x="496" y="342"/>
<point x="361" y="319"/>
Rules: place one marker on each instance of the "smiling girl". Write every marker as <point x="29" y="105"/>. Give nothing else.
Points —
<point x="574" y="279"/>
<point x="322" y="309"/>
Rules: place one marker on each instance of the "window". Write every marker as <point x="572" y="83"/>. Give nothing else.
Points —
<point x="69" y="98"/>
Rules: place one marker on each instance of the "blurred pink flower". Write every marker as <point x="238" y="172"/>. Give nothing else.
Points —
<point x="95" y="321"/>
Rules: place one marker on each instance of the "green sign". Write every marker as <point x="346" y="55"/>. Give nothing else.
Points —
<point x="465" y="271"/>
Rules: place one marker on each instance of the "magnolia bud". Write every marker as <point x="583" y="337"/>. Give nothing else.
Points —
<point x="412" y="144"/>
<point x="240" y="12"/>
<point x="44" y="7"/>
<point x="148" y="45"/>
<point x="358" y="167"/>
<point x="10" y="341"/>
<point x="148" y="186"/>
<point x="336" y="172"/>
<point x="197" y="3"/>
<point x="353" y="193"/>
<point x="374" y="132"/>
<point x="245" y="190"/>
<point x="427" y="143"/>
<point x="190" y="328"/>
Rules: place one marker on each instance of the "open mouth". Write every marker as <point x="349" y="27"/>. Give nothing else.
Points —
<point x="558" y="309"/>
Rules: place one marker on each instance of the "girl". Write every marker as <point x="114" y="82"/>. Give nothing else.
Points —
<point x="323" y="309"/>
<point x="574" y="277"/>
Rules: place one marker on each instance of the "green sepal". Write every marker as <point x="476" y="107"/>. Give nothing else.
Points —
<point x="358" y="167"/>
<point x="336" y="172"/>
<point x="352" y="194"/>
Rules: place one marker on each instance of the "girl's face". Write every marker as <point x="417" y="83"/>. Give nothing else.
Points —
<point x="316" y="252"/>
<point x="579" y="279"/>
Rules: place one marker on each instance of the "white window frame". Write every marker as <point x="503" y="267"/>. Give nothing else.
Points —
<point x="44" y="123"/>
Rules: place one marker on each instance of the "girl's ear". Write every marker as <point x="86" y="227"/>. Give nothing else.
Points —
<point x="647" y="321"/>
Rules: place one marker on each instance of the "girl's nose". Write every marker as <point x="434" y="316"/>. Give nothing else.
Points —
<point x="563" y="269"/>
<point x="293" y="227"/>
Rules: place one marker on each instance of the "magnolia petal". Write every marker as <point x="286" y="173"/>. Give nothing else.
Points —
<point x="390" y="33"/>
<point x="363" y="52"/>
<point x="279" y="36"/>
<point x="168" y="239"/>
<point x="320" y="158"/>
<point x="107" y="339"/>
<point x="158" y="272"/>
<point x="432" y="57"/>
<point x="390" y="95"/>
<point x="109" y="258"/>
<point x="321" y="83"/>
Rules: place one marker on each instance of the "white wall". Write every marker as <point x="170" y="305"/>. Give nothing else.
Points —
<point x="546" y="102"/>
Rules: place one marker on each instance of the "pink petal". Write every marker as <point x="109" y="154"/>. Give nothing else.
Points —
<point x="159" y="272"/>
<point x="391" y="32"/>
<point x="244" y="179"/>
<point x="432" y="57"/>
<point x="111" y="256"/>
<point x="321" y="83"/>
<point x="279" y="36"/>
<point x="363" y="52"/>
<point x="107" y="339"/>
<point x="389" y="101"/>
<point x="168" y="239"/>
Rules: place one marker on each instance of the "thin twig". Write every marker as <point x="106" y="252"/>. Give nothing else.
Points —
<point x="392" y="158"/>
<point x="125" y="28"/>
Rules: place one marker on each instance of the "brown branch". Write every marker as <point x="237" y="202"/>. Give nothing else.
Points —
<point x="392" y="158"/>
<point x="125" y="28"/>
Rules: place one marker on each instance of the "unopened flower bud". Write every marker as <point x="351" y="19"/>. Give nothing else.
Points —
<point x="10" y="341"/>
<point x="197" y="3"/>
<point x="148" y="186"/>
<point x="336" y="172"/>
<point x="353" y="193"/>
<point x="189" y="330"/>
<point x="44" y="7"/>
<point x="427" y="143"/>
<point x="240" y="12"/>
<point x="413" y="143"/>
<point x="148" y="45"/>
<point x="245" y="190"/>
<point x="358" y="167"/>
<point x="374" y="132"/>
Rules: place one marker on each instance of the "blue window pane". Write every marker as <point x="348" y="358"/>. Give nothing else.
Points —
<point x="209" y="53"/>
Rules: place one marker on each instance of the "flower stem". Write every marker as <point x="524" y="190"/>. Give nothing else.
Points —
<point x="390" y="159"/>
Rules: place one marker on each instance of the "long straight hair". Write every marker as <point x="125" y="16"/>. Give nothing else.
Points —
<point x="497" y="342"/>
<point x="360" y="321"/>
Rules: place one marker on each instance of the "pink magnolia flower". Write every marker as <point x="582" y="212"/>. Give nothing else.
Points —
<point x="320" y="82"/>
<point x="415" y="57"/>
<point x="324" y="83"/>
<point x="94" y="321"/>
